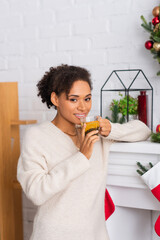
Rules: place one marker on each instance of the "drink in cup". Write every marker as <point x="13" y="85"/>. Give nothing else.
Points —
<point x="91" y="122"/>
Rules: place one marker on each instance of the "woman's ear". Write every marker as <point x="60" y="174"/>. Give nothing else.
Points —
<point x="54" y="99"/>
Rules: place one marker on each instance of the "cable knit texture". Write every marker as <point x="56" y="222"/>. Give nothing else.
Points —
<point x="68" y="188"/>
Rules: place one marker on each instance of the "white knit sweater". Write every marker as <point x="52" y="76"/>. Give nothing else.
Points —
<point x="67" y="187"/>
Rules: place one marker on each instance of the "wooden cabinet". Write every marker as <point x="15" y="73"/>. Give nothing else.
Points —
<point x="11" y="224"/>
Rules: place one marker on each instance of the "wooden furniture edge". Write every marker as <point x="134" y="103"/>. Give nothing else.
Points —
<point x="23" y="122"/>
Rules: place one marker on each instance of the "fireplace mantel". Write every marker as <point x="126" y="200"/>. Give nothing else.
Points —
<point x="123" y="182"/>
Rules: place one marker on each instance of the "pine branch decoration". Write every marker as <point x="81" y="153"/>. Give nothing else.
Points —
<point x="155" y="137"/>
<point x="154" y="29"/>
<point x="142" y="169"/>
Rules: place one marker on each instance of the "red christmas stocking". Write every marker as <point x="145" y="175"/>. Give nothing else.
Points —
<point x="152" y="180"/>
<point x="156" y="193"/>
<point x="109" y="206"/>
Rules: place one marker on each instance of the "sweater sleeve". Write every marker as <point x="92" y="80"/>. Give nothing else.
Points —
<point x="129" y="132"/>
<point x="37" y="181"/>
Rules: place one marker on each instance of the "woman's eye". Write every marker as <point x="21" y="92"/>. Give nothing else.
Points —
<point x="87" y="99"/>
<point x="73" y="100"/>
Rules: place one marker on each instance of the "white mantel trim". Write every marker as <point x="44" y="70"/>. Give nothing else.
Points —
<point x="136" y="147"/>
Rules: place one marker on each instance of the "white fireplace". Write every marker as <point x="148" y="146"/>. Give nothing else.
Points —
<point x="136" y="207"/>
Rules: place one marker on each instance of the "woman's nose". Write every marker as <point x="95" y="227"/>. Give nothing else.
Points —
<point x="81" y="105"/>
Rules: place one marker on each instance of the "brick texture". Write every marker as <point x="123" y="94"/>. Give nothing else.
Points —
<point x="100" y="35"/>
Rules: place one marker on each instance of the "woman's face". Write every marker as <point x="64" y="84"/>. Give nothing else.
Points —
<point x="77" y="105"/>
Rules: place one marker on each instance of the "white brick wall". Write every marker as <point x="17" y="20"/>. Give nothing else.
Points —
<point x="100" y="35"/>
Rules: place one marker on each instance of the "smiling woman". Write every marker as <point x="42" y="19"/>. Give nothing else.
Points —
<point x="68" y="89"/>
<point x="72" y="107"/>
<point x="62" y="170"/>
<point x="75" y="105"/>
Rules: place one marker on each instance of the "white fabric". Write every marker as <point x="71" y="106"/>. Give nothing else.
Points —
<point x="68" y="188"/>
<point x="136" y="130"/>
<point x="152" y="177"/>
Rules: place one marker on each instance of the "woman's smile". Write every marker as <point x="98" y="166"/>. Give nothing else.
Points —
<point x="80" y="115"/>
<point x="72" y="107"/>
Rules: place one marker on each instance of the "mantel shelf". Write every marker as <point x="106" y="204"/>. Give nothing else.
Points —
<point x="23" y="122"/>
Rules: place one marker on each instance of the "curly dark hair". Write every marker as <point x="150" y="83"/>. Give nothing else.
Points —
<point x="60" y="79"/>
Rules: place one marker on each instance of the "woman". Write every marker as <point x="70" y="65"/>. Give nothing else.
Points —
<point x="64" y="174"/>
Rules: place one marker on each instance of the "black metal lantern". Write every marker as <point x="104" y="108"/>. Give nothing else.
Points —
<point x="126" y="82"/>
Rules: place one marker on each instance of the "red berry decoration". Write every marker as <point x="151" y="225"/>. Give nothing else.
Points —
<point x="149" y="45"/>
<point x="155" y="21"/>
<point x="158" y="128"/>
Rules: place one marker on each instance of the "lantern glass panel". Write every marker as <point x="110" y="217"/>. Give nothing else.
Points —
<point x="125" y="88"/>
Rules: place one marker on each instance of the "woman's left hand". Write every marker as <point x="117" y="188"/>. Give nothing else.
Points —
<point x="105" y="126"/>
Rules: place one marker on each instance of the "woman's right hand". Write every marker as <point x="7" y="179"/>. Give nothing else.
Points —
<point x="87" y="141"/>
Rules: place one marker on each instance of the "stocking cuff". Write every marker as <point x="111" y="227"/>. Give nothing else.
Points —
<point x="152" y="177"/>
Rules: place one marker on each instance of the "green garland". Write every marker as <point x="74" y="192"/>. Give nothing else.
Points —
<point x="154" y="37"/>
<point x="155" y="137"/>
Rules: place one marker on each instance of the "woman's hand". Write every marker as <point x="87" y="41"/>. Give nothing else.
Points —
<point x="105" y="127"/>
<point x="87" y="142"/>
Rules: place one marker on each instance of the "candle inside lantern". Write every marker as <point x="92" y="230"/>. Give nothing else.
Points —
<point x="142" y="107"/>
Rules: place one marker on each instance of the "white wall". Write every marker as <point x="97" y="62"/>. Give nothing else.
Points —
<point x="100" y="35"/>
